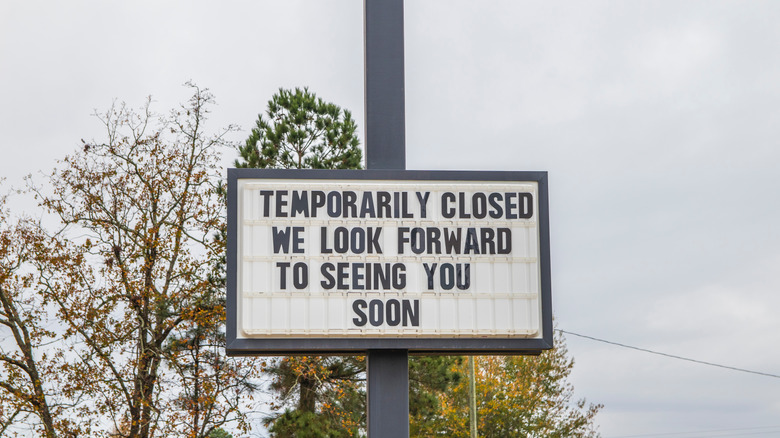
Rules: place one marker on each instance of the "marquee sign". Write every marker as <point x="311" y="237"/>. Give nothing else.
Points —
<point x="347" y="261"/>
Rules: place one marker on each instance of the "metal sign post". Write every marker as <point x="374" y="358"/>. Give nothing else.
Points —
<point x="384" y="84"/>
<point x="388" y="370"/>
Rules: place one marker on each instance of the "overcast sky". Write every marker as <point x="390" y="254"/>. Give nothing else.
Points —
<point x="658" y="122"/>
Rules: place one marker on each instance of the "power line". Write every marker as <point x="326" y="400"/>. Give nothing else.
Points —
<point x="670" y="355"/>
<point x="708" y="433"/>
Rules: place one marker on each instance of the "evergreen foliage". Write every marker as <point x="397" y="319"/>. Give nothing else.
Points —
<point x="321" y="396"/>
<point x="301" y="131"/>
<point x="316" y="396"/>
<point x="220" y="433"/>
<point x="429" y="377"/>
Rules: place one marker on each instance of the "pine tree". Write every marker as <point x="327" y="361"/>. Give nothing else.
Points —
<point x="321" y="396"/>
<point x="429" y="378"/>
<point x="301" y="131"/>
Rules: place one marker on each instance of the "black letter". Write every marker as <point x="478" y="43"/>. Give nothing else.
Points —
<point x="383" y="204"/>
<point x="358" y="306"/>
<point x="405" y="206"/>
<point x="373" y="242"/>
<point x="462" y="206"/>
<point x="393" y="312"/>
<point x="357" y="276"/>
<point x="401" y="239"/>
<point x="423" y="204"/>
<point x="444" y="198"/>
<point x="510" y="205"/>
<point x="381" y="277"/>
<point x="350" y="209"/>
<point x="357" y="240"/>
<point x="282" y="274"/>
<point x="433" y="240"/>
<point x="504" y="240"/>
<point x="375" y="312"/>
<point x="418" y="240"/>
<point x="342" y="275"/>
<point x="399" y="276"/>
<point x="447" y="276"/>
<point x="429" y="272"/>
<point x="479" y="205"/>
<point x="281" y="239"/>
<point x="463" y="272"/>
<point x="317" y="201"/>
<point x="472" y="244"/>
<point x="300" y="275"/>
<point x="324" y="241"/>
<point x="412" y="314"/>
<point x="329" y="281"/>
<point x="300" y="203"/>
<point x="526" y="205"/>
<point x="486" y="236"/>
<point x="334" y="204"/>
<point x="341" y="240"/>
<point x="266" y="194"/>
<point x="497" y="211"/>
<point x="281" y="202"/>
<point x="297" y="240"/>
<point x="367" y="205"/>
<point x="452" y="241"/>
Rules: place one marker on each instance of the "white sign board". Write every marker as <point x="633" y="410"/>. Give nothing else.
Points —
<point x="387" y="258"/>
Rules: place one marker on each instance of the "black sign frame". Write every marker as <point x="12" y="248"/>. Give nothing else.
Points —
<point x="360" y="345"/>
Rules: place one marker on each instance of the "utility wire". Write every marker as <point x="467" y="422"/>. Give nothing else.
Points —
<point x="709" y="433"/>
<point x="670" y="355"/>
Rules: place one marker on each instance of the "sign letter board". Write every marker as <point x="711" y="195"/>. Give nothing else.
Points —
<point x="343" y="261"/>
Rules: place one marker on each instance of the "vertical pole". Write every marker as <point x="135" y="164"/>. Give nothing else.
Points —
<point x="388" y="370"/>
<point x="388" y="394"/>
<point x="384" y="69"/>
<point x="472" y="399"/>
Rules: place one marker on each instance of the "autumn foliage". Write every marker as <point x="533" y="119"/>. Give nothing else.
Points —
<point x="128" y="279"/>
<point x="28" y="372"/>
<point x="519" y="396"/>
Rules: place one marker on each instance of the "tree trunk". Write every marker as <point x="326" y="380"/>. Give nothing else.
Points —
<point x="307" y="401"/>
